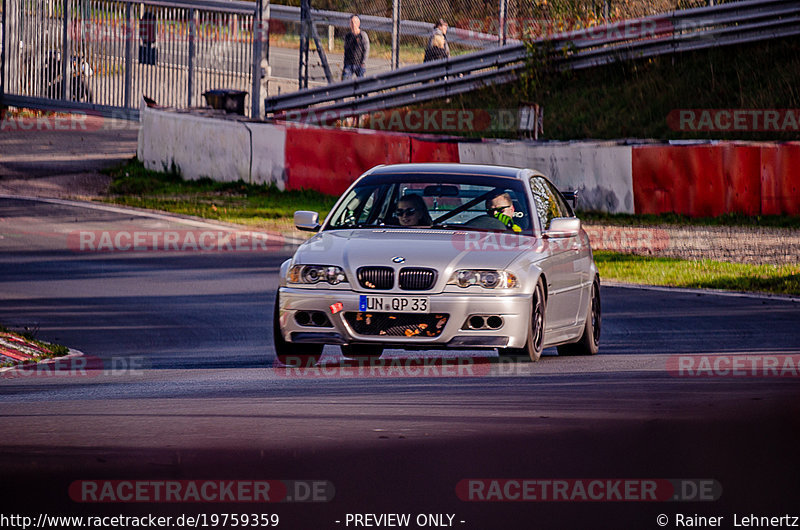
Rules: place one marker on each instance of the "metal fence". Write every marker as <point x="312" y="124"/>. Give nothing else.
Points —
<point x="473" y="25"/>
<point x="685" y="30"/>
<point x="108" y="55"/>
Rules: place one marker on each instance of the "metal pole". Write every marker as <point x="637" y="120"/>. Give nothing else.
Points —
<point x="501" y="27"/>
<point x="395" y="34"/>
<point x="128" y="54"/>
<point x="190" y="88"/>
<point x="65" y="54"/>
<point x="3" y="46"/>
<point x="305" y="22"/>
<point x="260" y="56"/>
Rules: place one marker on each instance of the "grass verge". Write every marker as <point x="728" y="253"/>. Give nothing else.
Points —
<point x="257" y="206"/>
<point x="706" y="274"/>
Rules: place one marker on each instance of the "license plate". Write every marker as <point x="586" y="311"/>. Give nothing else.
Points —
<point x="394" y="304"/>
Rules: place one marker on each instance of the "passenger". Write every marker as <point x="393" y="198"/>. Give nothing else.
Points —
<point x="411" y="211"/>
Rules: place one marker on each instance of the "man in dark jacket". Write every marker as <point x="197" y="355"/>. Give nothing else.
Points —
<point x="356" y="50"/>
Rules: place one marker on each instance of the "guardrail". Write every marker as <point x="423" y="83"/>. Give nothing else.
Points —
<point x="679" y="31"/>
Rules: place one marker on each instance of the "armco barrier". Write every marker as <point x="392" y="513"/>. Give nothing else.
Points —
<point x="329" y="160"/>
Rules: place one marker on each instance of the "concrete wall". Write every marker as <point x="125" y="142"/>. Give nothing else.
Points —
<point x="698" y="180"/>
<point x="602" y="172"/>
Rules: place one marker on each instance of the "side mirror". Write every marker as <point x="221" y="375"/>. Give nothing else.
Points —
<point x="563" y="227"/>
<point x="306" y="221"/>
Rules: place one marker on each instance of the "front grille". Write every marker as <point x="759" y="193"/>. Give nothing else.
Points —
<point x="376" y="277"/>
<point x="397" y="324"/>
<point x="415" y="279"/>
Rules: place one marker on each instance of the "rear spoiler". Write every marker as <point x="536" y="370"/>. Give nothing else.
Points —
<point x="571" y="196"/>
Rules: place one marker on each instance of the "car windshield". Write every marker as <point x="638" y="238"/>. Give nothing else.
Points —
<point x="454" y="202"/>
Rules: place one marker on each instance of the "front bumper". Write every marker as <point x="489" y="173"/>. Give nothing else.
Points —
<point x="513" y="309"/>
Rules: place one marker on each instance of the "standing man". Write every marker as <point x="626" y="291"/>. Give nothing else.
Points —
<point x="356" y="50"/>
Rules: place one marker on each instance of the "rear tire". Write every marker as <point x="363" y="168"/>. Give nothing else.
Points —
<point x="535" y="341"/>
<point x="589" y="343"/>
<point x="295" y="355"/>
<point x="362" y="351"/>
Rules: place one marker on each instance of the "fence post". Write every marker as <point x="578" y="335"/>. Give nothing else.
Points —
<point x="260" y="76"/>
<point x="190" y="82"/>
<point x="65" y="55"/>
<point x="128" y="55"/>
<point x="3" y="46"/>
<point x="395" y="34"/>
<point x="501" y="27"/>
<point x="305" y="26"/>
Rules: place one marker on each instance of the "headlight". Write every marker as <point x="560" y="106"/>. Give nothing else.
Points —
<point x="489" y="279"/>
<point x="315" y="274"/>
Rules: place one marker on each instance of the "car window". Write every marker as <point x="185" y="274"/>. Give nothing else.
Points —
<point x="548" y="202"/>
<point x="445" y="201"/>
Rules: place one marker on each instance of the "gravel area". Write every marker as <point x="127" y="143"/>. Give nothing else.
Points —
<point x="742" y="244"/>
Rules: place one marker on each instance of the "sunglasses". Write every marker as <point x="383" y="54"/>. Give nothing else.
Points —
<point x="497" y="209"/>
<point x="405" y="211"/>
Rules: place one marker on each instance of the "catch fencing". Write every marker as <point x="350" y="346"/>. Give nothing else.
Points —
<point x="106" y="55"/>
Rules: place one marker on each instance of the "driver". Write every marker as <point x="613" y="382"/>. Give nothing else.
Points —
<point x="501" y="208"/>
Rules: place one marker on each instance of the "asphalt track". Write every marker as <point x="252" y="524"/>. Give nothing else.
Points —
<point x="186" y="389"/>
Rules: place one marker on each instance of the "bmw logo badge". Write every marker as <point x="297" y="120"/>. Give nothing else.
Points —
<point x="398" y="259"/>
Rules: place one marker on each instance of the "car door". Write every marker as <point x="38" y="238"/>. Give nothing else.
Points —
<point x="561" y="267"/>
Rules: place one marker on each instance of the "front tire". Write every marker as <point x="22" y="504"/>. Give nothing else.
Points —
<point x="589" y="343"/>
<point x="295" y="355"/>
<point x="535" y="341"/>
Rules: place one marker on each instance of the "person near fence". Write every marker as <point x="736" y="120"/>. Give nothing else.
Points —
<point x="437" y="47"/>
<point x="356" y="50"/>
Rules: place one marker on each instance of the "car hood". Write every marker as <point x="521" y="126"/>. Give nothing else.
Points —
<point x="442" y="250"/>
